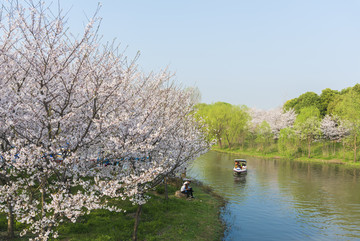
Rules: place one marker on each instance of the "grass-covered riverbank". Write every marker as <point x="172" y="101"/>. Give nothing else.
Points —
<point x="174" y="219"/>
<point x="315" y="158"/>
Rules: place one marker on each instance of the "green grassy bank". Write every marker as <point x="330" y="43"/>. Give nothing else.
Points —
<point x="174" y="219"/>
<point x="317" y="156"/>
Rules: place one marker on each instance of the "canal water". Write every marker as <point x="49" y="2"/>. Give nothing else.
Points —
<point x="284" y="200"/>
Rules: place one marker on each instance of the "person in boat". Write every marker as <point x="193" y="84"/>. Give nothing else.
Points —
<point x="236" y="164"/>
<point x="186" y="189"/>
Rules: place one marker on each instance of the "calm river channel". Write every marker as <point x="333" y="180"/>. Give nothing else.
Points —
<point x="284" y="200"/>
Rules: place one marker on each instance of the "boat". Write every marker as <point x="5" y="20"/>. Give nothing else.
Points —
<point x="240" y="166"/>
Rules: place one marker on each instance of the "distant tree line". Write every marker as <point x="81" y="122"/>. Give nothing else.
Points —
<point x="325" y="125"/>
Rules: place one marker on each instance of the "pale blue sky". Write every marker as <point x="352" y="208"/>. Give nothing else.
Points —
<point x="259" y="53"/>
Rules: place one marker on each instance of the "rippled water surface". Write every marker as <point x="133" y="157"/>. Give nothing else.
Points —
<point x="284" y="200"/>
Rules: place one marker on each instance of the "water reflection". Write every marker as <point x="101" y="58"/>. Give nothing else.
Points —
<point x="284" y="200"/>
<point x="240" y="180"/>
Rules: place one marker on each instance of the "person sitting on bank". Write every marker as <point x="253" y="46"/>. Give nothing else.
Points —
<point x="186" y="189"/>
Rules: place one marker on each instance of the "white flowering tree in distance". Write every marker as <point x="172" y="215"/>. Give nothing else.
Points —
<point x="333" y="130"/>
<point x="67" y="106"/>
<point x="277" y="119"/>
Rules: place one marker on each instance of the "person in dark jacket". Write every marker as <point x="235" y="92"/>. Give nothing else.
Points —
<point x="186" y="189"/>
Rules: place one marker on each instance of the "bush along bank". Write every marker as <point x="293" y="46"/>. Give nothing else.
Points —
<point x="317" y="156"/>
<point x="172" y="219"/>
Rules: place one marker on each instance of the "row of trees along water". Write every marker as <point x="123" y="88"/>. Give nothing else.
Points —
<point x="81" y="128"/>
<point x="312" y="125"/>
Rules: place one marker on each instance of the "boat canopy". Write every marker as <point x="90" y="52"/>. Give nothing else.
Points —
<point x="240" y="161"/>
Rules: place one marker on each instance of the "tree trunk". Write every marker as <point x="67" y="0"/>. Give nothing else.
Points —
<point x="355" y="148"/>
<point x="326" y="148"/>
<point x="228" y="140"/>
<point x="263" y="147"/>
<point x="137" y="220"/>
<point x="42" y="208"/>
<point x="10" y="229"/>
<point x="42" y="202"/>
<point x="309" y="147"/>
<point x="166" y="189"/>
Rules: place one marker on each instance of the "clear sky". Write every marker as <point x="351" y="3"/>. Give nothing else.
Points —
<point x="259" y="53"/>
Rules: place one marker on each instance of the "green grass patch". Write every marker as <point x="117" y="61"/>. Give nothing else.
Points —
<point x="317" y="155"/>
<point x="174" y="219"/>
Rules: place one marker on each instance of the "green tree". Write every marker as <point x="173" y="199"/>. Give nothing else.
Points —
<point x="327" y="96"/>
<point x="305" y="100"/>
<point x="287" y="142"/>
<point x="308" y="124"/>
<point x="227" y="124"/>
<point x="218" y="118"/>
<point x="290" y="104"/>
<point x="264" y="136"/>
<point x="237" y="126"/>
<point x="356" y="88"/>
<point x="349" y="112"/>
<point x="333" y="104"/>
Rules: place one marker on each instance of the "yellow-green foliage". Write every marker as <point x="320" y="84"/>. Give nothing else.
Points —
<point x="230" y="126"/>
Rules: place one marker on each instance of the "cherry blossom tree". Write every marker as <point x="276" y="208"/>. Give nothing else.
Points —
<point x="53" y="88"/>
<point x="69" y="104"/>
<point x="332" y="130"/>
<point x="277" y="119"/>
<point x="159" y="137"/>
